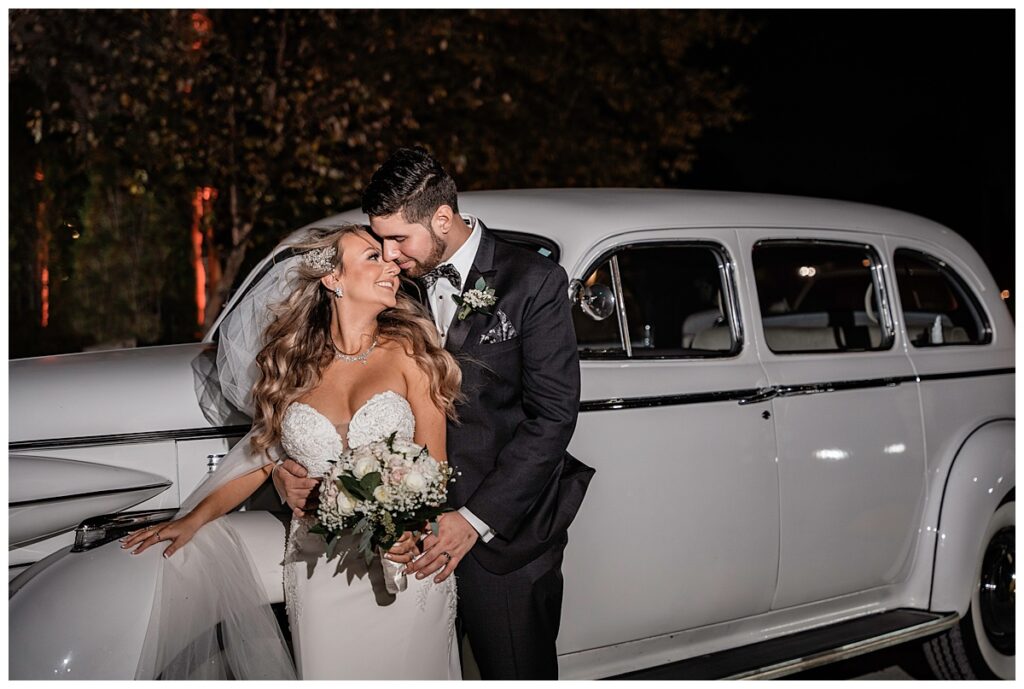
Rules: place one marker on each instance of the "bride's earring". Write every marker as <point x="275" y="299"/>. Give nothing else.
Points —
<point x="337" y="292"/>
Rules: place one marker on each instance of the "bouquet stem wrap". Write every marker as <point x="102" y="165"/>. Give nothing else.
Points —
<point x="394" y="574"/>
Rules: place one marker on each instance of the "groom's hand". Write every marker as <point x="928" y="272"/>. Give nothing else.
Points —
<point x="294" y="487"/>
<point x="455" y="537"/>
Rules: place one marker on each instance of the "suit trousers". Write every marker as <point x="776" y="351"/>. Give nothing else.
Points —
<point x="512" y="619"/>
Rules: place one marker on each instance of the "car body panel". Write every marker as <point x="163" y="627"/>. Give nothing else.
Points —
<point x="71" y="654"/>
<point x="982" y="475"/>
<point x="40" y="504"/>
<point x="865" y="489"/>
<point x="121" y="392"/>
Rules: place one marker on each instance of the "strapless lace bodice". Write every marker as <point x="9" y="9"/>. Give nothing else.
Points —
<point x="310" y="438"/>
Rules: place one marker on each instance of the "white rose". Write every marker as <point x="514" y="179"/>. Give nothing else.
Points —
<point x="364" y="466"/>
<point x="380" y="494"/>
<point x="430" y="468"/>
<point x="345" y="503"/>
<point x="414" y="481"/>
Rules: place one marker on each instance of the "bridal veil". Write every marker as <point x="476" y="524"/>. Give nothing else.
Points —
<point x="211" y="617"/>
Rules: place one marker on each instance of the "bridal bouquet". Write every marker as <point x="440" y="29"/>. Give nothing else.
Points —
<point x="380" y="490"/>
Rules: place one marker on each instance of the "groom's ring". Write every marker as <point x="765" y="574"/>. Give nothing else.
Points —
<point x="447" y="556"/>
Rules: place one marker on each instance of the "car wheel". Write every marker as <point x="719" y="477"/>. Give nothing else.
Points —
<point x="981" y="646"/>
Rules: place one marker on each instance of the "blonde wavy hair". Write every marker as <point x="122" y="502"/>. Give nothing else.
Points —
<point x="299" y="346"/>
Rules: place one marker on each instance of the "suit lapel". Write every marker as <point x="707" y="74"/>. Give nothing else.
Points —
<point x="483" y="267"/>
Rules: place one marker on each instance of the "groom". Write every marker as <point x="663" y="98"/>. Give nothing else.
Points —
<point x="518" y="489"/>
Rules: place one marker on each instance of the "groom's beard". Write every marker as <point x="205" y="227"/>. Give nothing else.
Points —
<point x="421" y="268"/>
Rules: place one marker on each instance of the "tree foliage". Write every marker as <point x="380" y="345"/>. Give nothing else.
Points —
<point x="287" y="112"/>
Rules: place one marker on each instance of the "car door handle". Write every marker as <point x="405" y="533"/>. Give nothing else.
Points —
<point x="762" y="395"/>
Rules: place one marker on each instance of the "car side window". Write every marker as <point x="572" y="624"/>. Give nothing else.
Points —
<point x="938" y="306"/>
<point x="673" y="300"/>
<point x="818" y="296"/>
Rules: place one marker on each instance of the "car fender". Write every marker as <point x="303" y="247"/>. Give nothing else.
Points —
<point x="84" y="615"/>
<point x="982" y="474"/>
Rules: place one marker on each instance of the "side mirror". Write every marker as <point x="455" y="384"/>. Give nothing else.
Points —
<point x="597" y="301"/>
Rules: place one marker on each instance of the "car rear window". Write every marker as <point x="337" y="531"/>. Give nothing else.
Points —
<point x="939" y="308"/>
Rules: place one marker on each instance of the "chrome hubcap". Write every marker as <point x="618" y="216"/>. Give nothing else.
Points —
<point x="997" y="591"/>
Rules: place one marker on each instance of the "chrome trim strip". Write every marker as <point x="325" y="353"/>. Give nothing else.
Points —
<point x="753" y="396"/>
<point x="839" y="386"/>
<point x="77" y="496"/>
<point x="667" y="400"/>
<point x="620" y="307"/>
<point x="851" y="650"/>
<point x="130" y="438"/>
<point x="968" y="374"/>
<point x="727" y="271"/>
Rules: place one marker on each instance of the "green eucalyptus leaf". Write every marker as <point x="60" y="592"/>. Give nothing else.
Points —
<point x="371" y="481"/>
<point x="352" y="485"/>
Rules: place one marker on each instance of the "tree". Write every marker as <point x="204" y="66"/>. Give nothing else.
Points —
<point x="286" y="113"/>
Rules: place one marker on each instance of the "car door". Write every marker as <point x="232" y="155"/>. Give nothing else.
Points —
<point x="847" y="412"/>
<point x="680" y="525"/>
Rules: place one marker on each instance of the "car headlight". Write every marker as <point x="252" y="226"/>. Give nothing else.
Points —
<point x="96" y="531"/>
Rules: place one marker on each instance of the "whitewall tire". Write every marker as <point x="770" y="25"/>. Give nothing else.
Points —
<point x="982" y="646"/>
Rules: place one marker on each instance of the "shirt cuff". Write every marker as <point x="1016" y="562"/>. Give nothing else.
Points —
<point x="276" y="465"/>
<point x="486" y="532"/>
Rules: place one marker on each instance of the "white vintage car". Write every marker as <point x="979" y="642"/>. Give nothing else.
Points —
<point x="801" y="414"/>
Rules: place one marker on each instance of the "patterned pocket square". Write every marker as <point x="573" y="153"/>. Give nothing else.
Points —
<point x="502" y="332"/>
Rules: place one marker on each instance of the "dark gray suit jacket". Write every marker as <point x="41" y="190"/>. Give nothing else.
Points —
<point x="522" y="398"/>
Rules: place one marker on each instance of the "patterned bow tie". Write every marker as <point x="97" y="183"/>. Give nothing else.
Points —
<point x="446" y="271"/>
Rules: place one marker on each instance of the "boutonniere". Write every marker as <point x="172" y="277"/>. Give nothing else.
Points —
<point x="480" y="298"/>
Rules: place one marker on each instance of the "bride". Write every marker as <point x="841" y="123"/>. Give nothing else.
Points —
<point x="347" y="360"/>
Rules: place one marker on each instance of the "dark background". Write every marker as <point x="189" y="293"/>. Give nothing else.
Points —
<point x="908" y="109"/>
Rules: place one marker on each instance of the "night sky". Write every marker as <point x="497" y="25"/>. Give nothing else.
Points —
<point x="908" y="109"/>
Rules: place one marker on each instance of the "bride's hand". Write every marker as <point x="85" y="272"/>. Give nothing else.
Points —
<point x="178" y="532"/>
<point x="404" y="549"/>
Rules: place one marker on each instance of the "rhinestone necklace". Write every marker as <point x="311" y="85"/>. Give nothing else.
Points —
<point x="353" y="358"/>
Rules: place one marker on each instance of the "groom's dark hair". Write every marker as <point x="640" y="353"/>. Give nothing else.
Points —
<point x="413" y="182"/>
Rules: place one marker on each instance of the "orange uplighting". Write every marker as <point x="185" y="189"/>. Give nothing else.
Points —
<point x="46" y="296"/>
<point x="201" y="25"/>
<point x="39" y="176"/>
<point x="200" y="207"/>
<point x="197" y="255"/>
<point x="200" y="22"/>
<point x="43" y="260"/>
<point x="1004" y="295"/>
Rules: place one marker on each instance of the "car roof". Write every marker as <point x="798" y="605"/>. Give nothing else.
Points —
<point x="566" y="213"/>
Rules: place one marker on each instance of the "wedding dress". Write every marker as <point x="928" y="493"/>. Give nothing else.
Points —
<point x="344" y="623"/>
<point x="211" y="618"/>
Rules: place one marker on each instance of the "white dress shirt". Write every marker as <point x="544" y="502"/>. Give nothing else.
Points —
<point x="442" y="291"/>
<point x="443" y="307"/>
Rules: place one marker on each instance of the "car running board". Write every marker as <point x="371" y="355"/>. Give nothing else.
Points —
<point x="805" y="650"/>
